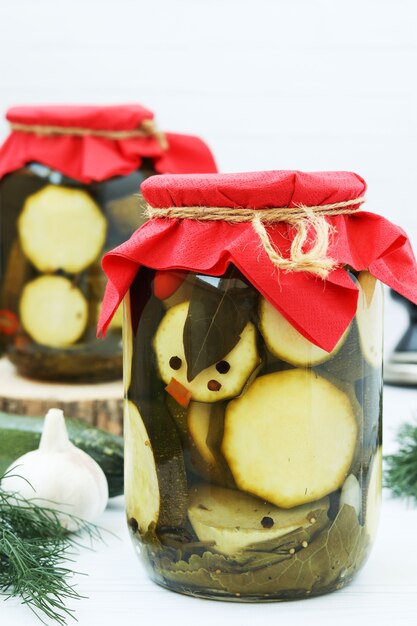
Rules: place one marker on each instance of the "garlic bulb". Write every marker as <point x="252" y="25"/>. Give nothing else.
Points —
<point x="60" y="476"/>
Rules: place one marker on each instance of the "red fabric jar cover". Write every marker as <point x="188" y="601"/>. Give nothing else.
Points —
<point x="91" y="157"/>
<point x="320" y="309"/>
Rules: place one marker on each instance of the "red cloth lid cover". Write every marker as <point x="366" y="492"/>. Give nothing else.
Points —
<point x="320" y="310"/>
<point x="89" y="157"/>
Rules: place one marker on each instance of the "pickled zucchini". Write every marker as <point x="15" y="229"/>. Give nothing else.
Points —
<point x="235" y="520"/>
<point x="127" y="343"/>
<point x="200" y="418"/>
<point x="369" y="319"/>
<point x="205" y="431"/>
<point x="373" y="495"/>
<point x="142" y="494"/>
<point x="156" y="484"/>
<point x="351" y="493"/>
<point x="286" y="343"/>
<point x="270" y="463"/>
<point x="290" y="438"/>
<point x="53" y="311"/>
<point x="218" y="382"/>
<point x="61" y="229"/>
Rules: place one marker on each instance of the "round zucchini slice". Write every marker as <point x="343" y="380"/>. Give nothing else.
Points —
<point x="141" y="479"/>
<point x="236" y="520"/>
<point x="286" y="343"/>
<point x="53" y="312"/>
<point x="291" y="438"/>
<point x="373" y="496"/>
<point x="369" y="318"/>
<point x="61" y="228"/>
<point x="217" y="382"/>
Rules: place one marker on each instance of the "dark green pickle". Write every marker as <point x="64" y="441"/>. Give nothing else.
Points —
<point x="252" y="458"/>
<point x="51" y="289"/>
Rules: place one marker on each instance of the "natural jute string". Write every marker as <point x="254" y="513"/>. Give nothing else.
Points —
<point x="147" y="128"/>
<point x="309" y="222"/>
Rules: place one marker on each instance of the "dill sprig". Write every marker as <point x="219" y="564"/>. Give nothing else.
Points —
<point x="33" y="550"/>
<point x="401" y="467"/>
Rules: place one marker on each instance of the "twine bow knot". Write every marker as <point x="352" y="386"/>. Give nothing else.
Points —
<point x="309" y="246"/>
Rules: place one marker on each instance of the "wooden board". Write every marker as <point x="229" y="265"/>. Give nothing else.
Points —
<point x="100" y="404"/>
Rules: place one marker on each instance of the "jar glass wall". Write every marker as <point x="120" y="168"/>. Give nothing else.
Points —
<point x="54" y="231"/>
<point x="252" y="457"/>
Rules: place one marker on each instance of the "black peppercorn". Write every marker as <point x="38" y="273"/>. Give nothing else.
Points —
<point x="267" y="522"/>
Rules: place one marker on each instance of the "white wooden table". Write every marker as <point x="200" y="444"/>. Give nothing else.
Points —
<point x="384" y="593"/>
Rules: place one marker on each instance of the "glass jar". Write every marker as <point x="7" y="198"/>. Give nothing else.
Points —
<point x="69" y="179"/>
<point x="253" y="457"/>
<point x="54" y="230"/>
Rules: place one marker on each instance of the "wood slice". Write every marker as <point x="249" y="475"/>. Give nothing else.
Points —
<point x="99" y="404"/>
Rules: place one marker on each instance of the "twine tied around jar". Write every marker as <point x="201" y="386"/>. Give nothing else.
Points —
<point x="147" y="128"/>
<point x="310" y="224"/>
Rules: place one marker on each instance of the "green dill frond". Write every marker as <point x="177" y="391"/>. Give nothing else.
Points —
<point x="33" y="548"/>
<point x="401" y="467"/>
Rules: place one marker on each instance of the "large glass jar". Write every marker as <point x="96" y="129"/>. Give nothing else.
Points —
<point x="253" y="457"/>
<point x="54" y="231"/>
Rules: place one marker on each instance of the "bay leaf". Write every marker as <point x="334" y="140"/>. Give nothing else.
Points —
<point x="328" y="562"/>
<point x="215" y="320"/>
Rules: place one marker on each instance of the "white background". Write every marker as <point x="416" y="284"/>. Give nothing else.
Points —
<point x="270" y="84"/>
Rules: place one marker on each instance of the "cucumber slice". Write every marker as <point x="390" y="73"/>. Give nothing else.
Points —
<point x="369" y="318"/>
<point x="61" y="228"/>
<point x="291" y="438"/>
<point x="286" y="343"/>
<point x="53" y="312"/>
<point x="169" y="350"/>
<point x="235" y="520"/>
<point x="142" y="493"/>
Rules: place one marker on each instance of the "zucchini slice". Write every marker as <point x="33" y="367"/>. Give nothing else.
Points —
<point x="142" y="493"/>
<point x="286" y="343"/>
<point x="291" y="438"/>
<point x="205" y="431"/>
<point x="127" y="343"/>
<point x="61" y="228"/>
<point x="235" y="520"/>
<point x="53" y="312"/>
<point x="373" y="496"/>
<point x="155" y="478"/>
<point x="351" y="494"/>
<point x="369" y="318"/>
<point x="199" y="418"/>
<point x="215" y="383"/>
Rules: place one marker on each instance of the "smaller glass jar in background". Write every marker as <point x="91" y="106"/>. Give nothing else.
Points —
<point x="69" y="181"/>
